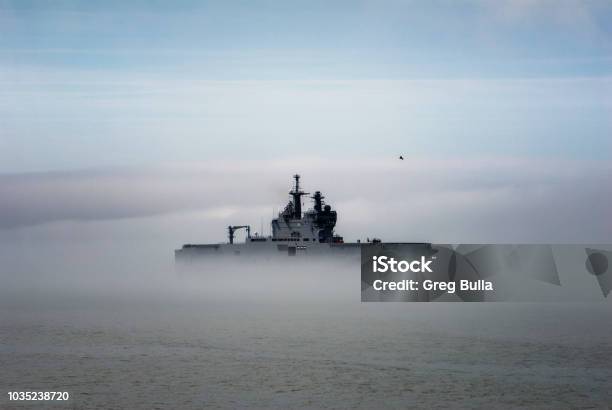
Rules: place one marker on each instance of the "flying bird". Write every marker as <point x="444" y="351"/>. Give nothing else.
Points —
<point x="401" y="157"/>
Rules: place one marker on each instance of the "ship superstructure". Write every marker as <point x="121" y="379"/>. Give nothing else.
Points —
<point x="314" y="225"/>
<point x="293" y="232"/>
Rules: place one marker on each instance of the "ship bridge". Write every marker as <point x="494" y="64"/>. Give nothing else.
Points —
<point x="316" y="225"/>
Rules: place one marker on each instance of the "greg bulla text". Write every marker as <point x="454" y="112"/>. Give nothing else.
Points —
<point x="383" y="264"/>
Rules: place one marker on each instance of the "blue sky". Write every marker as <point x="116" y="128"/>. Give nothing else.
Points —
<point x="87" y="84"/>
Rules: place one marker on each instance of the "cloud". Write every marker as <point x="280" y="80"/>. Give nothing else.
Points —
<point x="567" y="12"/>
<point x="72" y="119"/>
<point x="495" y="199"/>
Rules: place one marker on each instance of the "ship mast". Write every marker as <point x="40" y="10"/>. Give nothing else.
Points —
<point x="297" y="198"/>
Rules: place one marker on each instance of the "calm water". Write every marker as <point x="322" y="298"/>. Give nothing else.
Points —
<point x="163" y="353"/>
<point x="141" y="338"/>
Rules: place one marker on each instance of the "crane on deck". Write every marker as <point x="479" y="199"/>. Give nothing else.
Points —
<point x="233" y="229"/>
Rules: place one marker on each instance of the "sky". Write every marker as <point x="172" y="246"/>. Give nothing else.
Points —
<point x="126" y="111"/>
<point x="94" y="84"/>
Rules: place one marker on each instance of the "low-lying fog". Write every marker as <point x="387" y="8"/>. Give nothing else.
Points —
<point x="105" y="238"/>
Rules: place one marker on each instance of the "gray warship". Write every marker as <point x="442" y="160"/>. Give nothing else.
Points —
<point x="294" y="234"/>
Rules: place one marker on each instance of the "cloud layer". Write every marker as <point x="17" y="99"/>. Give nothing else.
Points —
<point x="498" y="200"/>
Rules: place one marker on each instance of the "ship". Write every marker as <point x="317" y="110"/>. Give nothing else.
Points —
<point x="294" y="234"/>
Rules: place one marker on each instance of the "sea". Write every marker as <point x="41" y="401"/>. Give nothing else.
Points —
<point x="128" y="331"/>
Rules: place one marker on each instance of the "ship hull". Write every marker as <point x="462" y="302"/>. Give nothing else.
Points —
<point x="272" y="251"/>
<point x="190" y="254"/>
